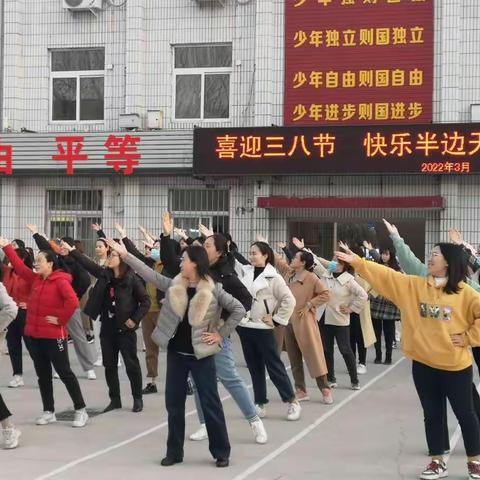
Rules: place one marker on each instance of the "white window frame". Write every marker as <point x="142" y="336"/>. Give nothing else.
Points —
<point x="77" y="74"/>
<point x="202" y="72"/>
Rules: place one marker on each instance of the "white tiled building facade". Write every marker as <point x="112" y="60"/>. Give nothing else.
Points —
<point x="136" y="68"/>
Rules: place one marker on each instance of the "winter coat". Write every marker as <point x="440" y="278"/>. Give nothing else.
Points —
<point x="131" y="299"/>
<point x="345" y="291"/>
<point x="52" y="296"/>
<point x="223" y="272"/>
<point x="270" y="294"/>
<point x="8" y="308"/>
<point x="80" y="278"/>
<point x="17" y="287"/>
<point x="204" y="309"/>
<point x="308" y="291"/>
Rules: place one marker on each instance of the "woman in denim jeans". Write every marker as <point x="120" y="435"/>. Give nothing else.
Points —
<point x="222" y="271"/>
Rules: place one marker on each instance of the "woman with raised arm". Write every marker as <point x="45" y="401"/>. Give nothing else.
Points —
<point x="19" y="290"/>
<point x="302" y="337"/>
<point x="273" y="303"/>
<point x="441" y="321"/>
<point x="190" y="327"/>
<point x="50" y="306"/>
<point x="385" y="313"/>
<point x="346" y="297"/>
<point x="120" y="299"/>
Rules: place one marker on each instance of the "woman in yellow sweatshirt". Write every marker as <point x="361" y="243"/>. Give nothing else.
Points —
<point x="441" y="321"/>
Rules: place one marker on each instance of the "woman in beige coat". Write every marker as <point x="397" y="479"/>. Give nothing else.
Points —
<point x="301" y="335"/>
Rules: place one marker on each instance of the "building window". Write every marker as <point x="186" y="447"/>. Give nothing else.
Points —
<point x="72" y="212"/>
<point x="77" y="85"/>
<point x="192" y="207"/>
<point x="202" y="81"/>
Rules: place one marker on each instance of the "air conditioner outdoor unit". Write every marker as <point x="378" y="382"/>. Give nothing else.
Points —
<point x="211" y="2"/>
<point x="83" y="5"/>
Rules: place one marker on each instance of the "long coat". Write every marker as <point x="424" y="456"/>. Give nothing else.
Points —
<point x="312" y="291"/>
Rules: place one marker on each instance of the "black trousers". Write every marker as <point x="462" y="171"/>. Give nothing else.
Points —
<point x="388" y="328"/>
<point x="112" y="343"/>
<point x="4" y="412"/>
<point x="476" y="357"/>
<point x="14" y="341"/>
<point x="433" y="386"/>
<point x="356" y="339"/>
<point x="329" y="334"/>
<point x="205" y="377"/>
<point x="260" y="351"/>
<point x="46" y="352"/>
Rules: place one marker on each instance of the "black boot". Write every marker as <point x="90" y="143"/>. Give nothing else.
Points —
<point x="169" y="461"/>
<point x="137" y="405"/>
<point x="388" y="358"/>
<point x="115" y="404"/>
<point x="222" y="463"/>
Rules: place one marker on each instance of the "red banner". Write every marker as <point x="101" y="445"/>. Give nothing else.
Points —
<point x="353" y="62"/>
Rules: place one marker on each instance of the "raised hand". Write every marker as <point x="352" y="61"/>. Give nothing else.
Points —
<point x="348" y="257"/>
<point x="117" y="247"/>
<point x="392" y="229"/>
<point x="300" y="244"/>
<point x="205" y="231"/>
<point x="367" y="245"/>
<point x="96" y="226"/>
<point x="261" y="238"/>
<point x="121" y="231"/>
<point x="167" y="223"/>
<point x="455" y="236"/>
<point x="3" y="242"/>
<point x="33" y="228"/>
<point x="66" y="246"/>
<point x="344" y="246"/>
<point x="181" y="233"/>
<point x="281" y="245"/>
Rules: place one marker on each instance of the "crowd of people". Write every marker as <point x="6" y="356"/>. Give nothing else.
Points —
<point x="190" y="296"/>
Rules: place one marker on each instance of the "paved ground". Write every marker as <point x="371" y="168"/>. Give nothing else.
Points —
<point x="376" y="433"/>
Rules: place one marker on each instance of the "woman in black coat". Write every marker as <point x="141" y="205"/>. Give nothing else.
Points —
<point x="120" y="298"/>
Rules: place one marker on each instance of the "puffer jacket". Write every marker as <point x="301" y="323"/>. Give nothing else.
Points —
<point x="52" y="296"/>
<point x="8" y="308"/>
<point x="17" y="287"/>
<point x="270" y="294"/>
<point x="204" y="309"/>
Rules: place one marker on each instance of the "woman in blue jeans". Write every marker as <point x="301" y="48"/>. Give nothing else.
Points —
<point x="222" y="271"/>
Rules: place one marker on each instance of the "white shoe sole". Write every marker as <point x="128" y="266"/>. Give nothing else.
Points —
<point x="430" y="477"/>
<point x="17" y="441"/>
<point x="43" y="423"/>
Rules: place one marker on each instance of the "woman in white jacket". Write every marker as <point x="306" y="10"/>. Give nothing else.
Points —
<point x="346" y="297"/>
<point x="273" y="303"/>
<point x="8" y="311"/>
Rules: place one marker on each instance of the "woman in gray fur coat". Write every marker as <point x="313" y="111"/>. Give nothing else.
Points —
<point x="190" y="328"/>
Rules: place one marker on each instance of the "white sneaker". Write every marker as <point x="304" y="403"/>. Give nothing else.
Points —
<point x="361" y="369"/>
<point x="91" y="375"/>
<point x="200" y="434"/>
<point x="99" y="362"/>
<point x="56" y="375"/>
<point x="11" y="437"/>
<point x="259" y="432"/>
<point x="17" y="381"/>
<point x="80" y="419"/>
<point x="261" y="410"/>
<point x="294" y="410"/>
<point x="45" y="418"/>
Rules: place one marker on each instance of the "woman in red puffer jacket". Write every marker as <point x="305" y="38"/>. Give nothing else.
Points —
<point x="51" y="303"/>
<point x="19" y="290"/>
